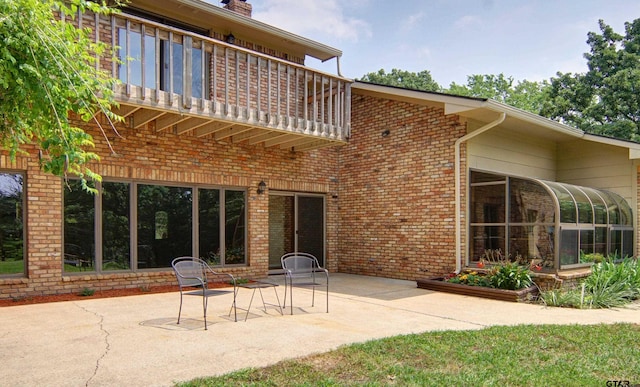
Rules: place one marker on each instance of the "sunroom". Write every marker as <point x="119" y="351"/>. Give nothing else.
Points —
<point x="555" y="225"/>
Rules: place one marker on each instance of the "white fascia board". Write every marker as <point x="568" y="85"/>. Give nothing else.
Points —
<point x="534" y="118"/>
<point x="453" y="104"/>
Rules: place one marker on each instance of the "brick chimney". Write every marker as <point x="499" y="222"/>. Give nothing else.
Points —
<point x="238" y="6"/>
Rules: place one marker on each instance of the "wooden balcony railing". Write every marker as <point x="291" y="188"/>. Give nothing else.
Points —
<point x="195" y="85"/>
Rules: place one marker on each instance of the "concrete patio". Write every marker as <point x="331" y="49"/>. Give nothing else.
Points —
<point x="135" y="341"/>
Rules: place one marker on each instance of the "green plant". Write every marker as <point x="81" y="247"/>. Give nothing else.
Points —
<point x="470" y="278"/>
<point x="502" y="275"/>
<point x="592" y="257"/>
<point x="87" y="292"/>
<point x="510" y="276"/>
<point x="610" y="285"/>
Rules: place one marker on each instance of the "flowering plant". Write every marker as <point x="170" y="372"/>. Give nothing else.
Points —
<point x="506" y="275"/>
<point x="469" y="278"/>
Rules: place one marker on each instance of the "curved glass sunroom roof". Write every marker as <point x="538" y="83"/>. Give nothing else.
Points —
<point x="555" y="224"/>
<point x="584" y="205"/>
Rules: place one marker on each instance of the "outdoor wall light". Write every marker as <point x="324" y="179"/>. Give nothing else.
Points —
<point x="230" y="39"/>
<point x="262" y="186"/>
<point x="385" y="133"/>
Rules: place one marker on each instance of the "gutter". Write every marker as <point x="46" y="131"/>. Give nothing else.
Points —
<point x="458" y="143"/>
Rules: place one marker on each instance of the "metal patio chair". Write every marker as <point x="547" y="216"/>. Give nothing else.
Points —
<point x="303" y="270"/>
<point x="193" y="272"/>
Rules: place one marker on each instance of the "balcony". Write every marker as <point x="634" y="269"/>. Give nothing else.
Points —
<point x="195" y="85"/>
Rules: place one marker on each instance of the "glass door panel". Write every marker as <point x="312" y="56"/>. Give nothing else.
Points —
<point x="296" y="223"/>
<point x="281" y="228"/>
<point x="311" y="226"/>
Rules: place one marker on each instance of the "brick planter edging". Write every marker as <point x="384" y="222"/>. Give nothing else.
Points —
<point x="438" y="284"/>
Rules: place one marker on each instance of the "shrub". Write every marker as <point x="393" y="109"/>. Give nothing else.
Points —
<point x="505" y="275"/>
<point x="510" y="276"/>
<point x="87" y="292"/>
<point x="610" y="284"/>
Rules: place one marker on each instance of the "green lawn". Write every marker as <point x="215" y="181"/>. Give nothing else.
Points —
<point x="545" y="355"/>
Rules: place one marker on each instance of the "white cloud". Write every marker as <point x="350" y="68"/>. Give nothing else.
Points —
<point x="312" y="18"/>
<point x="412" y="21"/>
<point x="466" y="21"/>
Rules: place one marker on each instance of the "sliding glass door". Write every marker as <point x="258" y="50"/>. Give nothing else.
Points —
<point x="296" y="223"/>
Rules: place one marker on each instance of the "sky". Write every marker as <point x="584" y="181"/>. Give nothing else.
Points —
<point x="452" y="39"/>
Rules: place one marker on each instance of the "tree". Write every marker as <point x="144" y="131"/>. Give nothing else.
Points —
<point x="526" y="95"/>
<point x="415" y="81"/>
<point x="48" y="80"/>
<point x="604" y="100"/>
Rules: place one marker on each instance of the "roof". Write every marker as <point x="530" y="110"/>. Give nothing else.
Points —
<point x="485" y="110"/>
<point x="208" y="16"/>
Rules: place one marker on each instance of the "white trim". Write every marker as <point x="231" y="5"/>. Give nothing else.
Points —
<point x="312" y="48"/>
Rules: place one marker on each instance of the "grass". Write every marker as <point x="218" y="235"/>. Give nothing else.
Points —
<point x="525" y="355"/>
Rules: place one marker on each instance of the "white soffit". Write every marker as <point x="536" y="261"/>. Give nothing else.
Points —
<point x="206" y="15"/>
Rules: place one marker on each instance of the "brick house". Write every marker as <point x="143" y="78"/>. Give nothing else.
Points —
<point x="417" y="163"/>
<point x="234" y="151"/>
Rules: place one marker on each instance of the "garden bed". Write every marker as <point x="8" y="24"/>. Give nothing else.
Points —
<point x="440" y="285"/>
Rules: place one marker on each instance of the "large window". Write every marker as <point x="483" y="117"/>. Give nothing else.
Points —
<point x="79" y="228"/>
<point x="143" y="64"/>
<point x="527" y="218"/>
<point x="11" y="223"/>
<point x="145" y="226"/>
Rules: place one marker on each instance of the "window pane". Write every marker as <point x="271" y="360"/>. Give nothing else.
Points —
<point x="234" y="227"/>
<point x="627" y="243"/>
<point x="11" y="226"/>
<point x="626" y="216"/>
<point x="115" y="226"/>
<point x="131" y="63"/>
<point x="79" y="226"/>
<point x="149" y="62"/>
<point x="486" y="238"/>
<point x="601" y="240"/>
<point x="615" y="243"/>
<point x="209" y="225"/>
<point x="164" y="225"/>
<point x="481" y="177"/>
<point x="568" y="213"/>
<point x="612" y="207"/>
<point x="167" y="67"/>
<point x="569" y="247"/>
<point x="530" y="203"/>
<point x="600" y="209"/>
<point x="196" y="73"/>
<point x="488" y="204"/>
<point x="134" y="61"/>
<point x="586" y="241"/>
<point x="532" y="242"/>
<point x="585" y="211"/>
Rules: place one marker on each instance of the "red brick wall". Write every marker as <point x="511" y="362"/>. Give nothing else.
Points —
<point x="397" y="192"/>
<point x="147" y="155"/>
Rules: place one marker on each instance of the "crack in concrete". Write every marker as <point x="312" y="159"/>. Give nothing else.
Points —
<point x="106" y="342"/>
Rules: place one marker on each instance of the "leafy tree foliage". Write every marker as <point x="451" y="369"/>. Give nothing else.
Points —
<point x="48" y="80"/>
<point x="523" y="94"/>
<point x="415" y="81"/>
<point x="526" y="95"/>
<point x="604" y="100"/>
